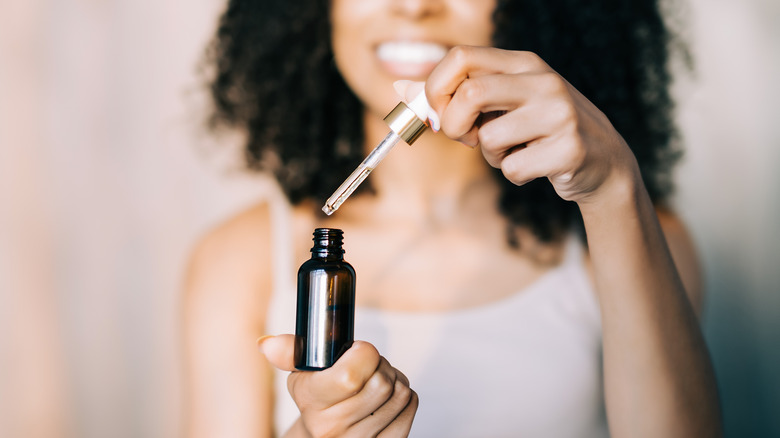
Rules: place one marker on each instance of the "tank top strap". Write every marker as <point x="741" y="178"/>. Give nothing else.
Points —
<point x="572" y="250"/>
<point x="282" y="243"/>
<point x="280" y="317"/>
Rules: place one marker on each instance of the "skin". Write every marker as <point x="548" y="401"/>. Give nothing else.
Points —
<point x="437" y="198"/>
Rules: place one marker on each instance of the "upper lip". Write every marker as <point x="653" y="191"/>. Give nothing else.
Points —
<point x="413" y="36"/>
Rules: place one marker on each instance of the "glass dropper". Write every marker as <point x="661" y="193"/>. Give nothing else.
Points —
<point x="407" y="123"/>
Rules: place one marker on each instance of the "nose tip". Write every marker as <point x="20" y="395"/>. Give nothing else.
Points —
<point x="417" y="8"/>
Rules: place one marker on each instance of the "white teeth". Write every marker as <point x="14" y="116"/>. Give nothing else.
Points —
<point x="411" y="52"/>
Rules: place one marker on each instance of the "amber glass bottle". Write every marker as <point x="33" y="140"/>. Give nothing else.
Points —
<point x="325" y="317"/>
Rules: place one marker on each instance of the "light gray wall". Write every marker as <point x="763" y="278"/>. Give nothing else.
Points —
<point x="729" y="192"/>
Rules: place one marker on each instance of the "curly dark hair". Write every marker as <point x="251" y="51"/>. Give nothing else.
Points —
<point x="274" y="77"/>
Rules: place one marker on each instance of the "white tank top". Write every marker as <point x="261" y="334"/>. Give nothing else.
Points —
<point x="528" y="365"/>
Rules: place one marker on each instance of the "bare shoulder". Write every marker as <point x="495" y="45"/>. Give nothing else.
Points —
<point x="684" y="254"/>
<point x="230" y="266"/>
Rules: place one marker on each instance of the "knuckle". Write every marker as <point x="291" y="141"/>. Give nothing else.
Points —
<point x="512" y="172"/>
<point x="493" y="159"/>
<point x="380" y="386"/>
<point x="569" y="113"/>
<point x="402" y="377"/>
<point x="551" y="83"/>
<point x="472" y="90"/>
<point x="488" y="137"/>
<point x="367" y="349"/>
<point x="402" y="392"/>
<point x="530" y="57"/>
<point x="461" y="54"/>
<point x="531" y="60"/>
<point x="453" y="128"/>
<point x="350" y="381"/>
<point x="564" y="112"/>
<point x="509" y="169"/>
<point x="515" y="181"/>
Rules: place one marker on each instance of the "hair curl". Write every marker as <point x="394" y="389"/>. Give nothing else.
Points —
<point x="274" y="77"/>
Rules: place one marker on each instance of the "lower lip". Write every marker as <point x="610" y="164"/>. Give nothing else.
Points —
<point x="408" y="70"/>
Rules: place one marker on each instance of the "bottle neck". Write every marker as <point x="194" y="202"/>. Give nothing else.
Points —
<point x="328" y="244"/>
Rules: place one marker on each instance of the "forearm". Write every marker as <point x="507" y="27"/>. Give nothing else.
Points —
<point x="658" y="377"/>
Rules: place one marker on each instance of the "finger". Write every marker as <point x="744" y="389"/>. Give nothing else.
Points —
<point x="464" y="62"/>
<point x="402" y="377"/>
<point x="408" y="90"/>
<point x="402" y="424"/>
<point x="379" y="388"/>
<point x="503" y="134"/>
<point x="542" y="158"/>
<point x="477" y="100"/>
<point x="278" y="350"/>
<point x="477" y="96"/>
<point x="322" y="389"/>
<point x="387" y="413"/>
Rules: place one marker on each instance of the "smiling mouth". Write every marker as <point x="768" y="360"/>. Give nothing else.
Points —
<point x="411" y="52"/>
<point x="411" y="59"/>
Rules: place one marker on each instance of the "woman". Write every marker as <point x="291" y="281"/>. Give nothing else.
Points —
<point x="472" y="291"/>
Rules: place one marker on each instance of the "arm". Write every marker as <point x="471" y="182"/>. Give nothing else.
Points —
<point x="228" y="382"/>
<point x="658" y="378"/>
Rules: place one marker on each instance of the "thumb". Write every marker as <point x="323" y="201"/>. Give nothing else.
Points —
<point x="278" y="350"/>
<point x="408" y="90"/>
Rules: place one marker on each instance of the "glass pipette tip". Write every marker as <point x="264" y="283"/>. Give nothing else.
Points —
<point x="360" y="174"/>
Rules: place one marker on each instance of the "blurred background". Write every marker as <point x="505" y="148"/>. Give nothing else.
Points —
<point x="107" y="178"/>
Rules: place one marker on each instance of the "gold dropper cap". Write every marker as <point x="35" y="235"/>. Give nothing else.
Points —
<point x="404" y="122"/>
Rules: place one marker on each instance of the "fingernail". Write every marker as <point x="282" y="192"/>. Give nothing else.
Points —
<point x="262" y="339"/>
<point x="434" y="119"/>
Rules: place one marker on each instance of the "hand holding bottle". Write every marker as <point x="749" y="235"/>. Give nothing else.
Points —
<point x="360" y="395"/>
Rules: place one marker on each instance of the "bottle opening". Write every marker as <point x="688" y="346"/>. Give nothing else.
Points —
<point x="328" y="241"/>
